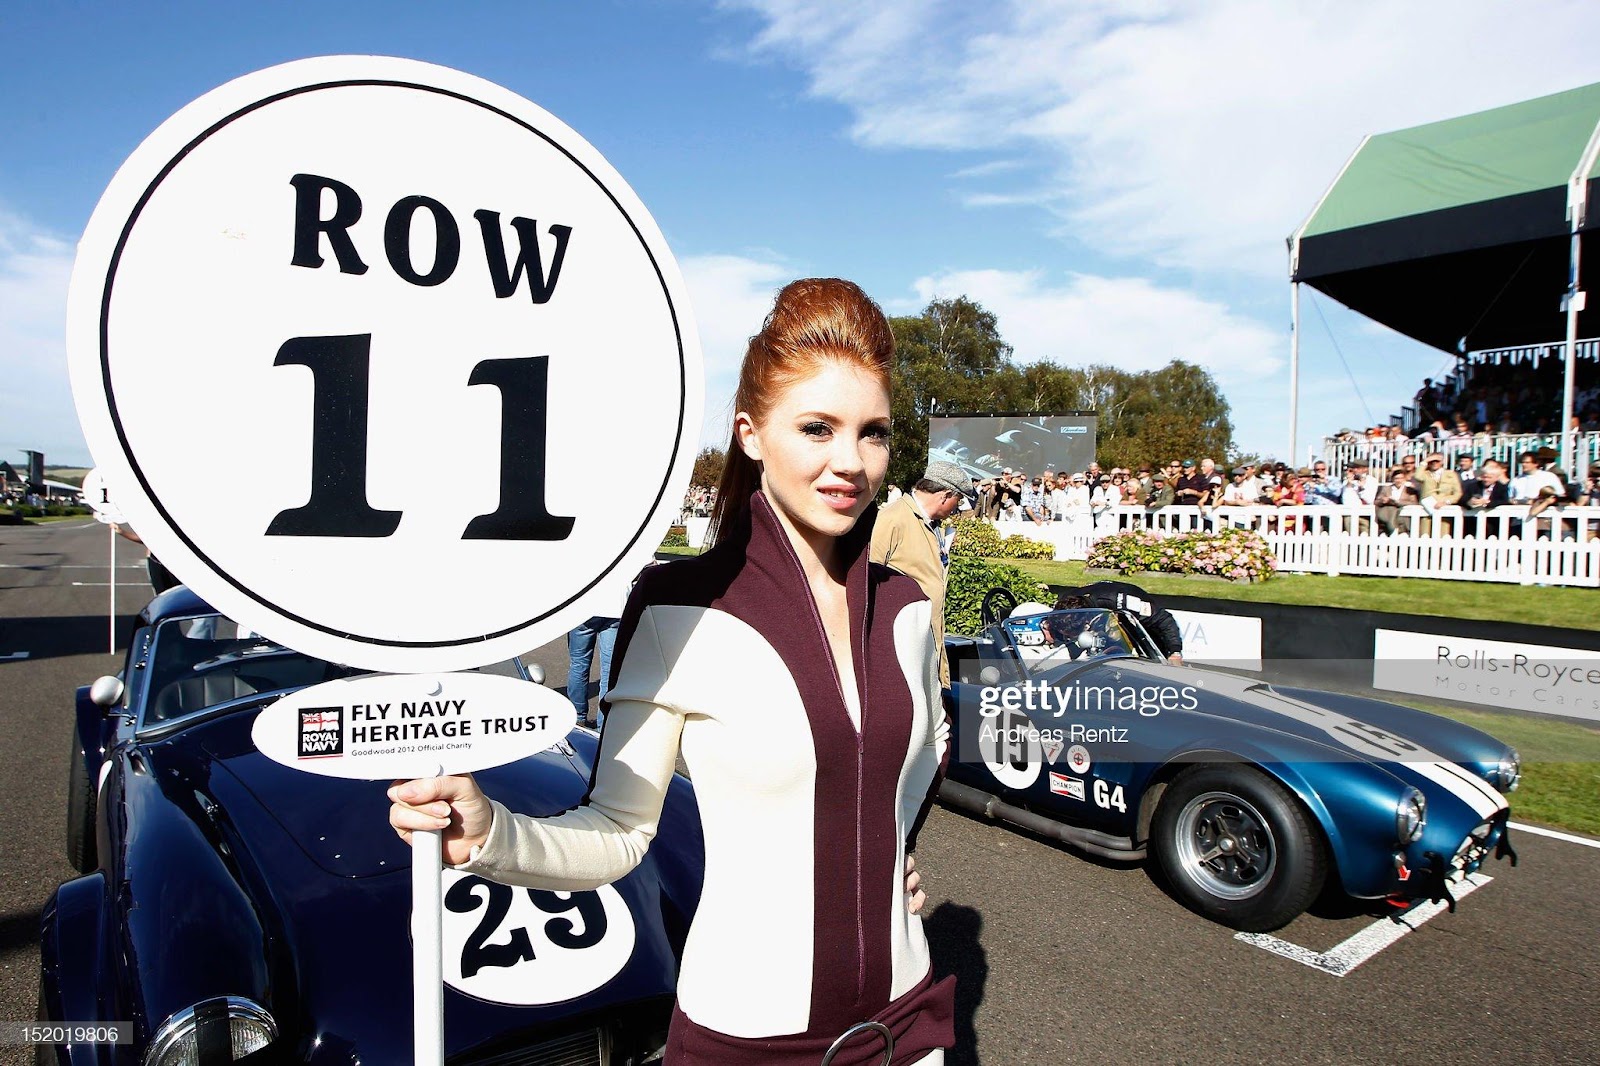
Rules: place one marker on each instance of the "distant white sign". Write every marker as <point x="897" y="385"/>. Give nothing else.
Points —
<point x="98" y="498"/>
<point x="1225" y="639"/>
<point x="387" y="726"/>
<point x="1495" y="673"/>
<point x="357" y="341"/>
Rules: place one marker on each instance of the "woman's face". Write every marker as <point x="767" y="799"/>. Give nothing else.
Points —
<point x="823" y="449"/>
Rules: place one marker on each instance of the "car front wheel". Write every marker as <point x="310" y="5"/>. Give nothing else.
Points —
<point x="81" y="800"/>
<point x="1236" y="846"/>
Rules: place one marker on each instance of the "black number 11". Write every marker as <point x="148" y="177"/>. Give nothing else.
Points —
<point x="338" y="505"/>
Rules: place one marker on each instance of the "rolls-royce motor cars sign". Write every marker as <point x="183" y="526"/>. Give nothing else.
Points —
<point x="385" y="362"/>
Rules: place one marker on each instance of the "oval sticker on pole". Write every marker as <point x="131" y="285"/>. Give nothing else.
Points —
<point x="406" y="725"/>
<point x="385" y="362"/>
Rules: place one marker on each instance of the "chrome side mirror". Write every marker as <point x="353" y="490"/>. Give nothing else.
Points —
<point x="106" y="692"/>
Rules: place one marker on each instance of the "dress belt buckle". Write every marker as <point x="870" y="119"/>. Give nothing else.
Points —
<point x="857" y="1029"/>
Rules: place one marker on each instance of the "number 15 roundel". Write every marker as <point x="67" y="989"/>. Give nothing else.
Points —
<point x="385" y="362"/>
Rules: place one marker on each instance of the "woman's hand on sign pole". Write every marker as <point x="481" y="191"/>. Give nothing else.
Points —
<point x="454" y="805"/>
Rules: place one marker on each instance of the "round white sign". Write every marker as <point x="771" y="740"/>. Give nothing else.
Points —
<point x="98" y="498"/>
<point x="386" y="726"/>
<point x="385" y="362"/>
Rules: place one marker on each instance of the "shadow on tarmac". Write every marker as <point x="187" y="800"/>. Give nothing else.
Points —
<point x="955" y="942"/>
<point x="59" y="636"/>
<point x="19" y="929"/>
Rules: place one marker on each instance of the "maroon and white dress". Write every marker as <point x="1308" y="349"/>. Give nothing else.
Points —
<point x="810" y="794"/>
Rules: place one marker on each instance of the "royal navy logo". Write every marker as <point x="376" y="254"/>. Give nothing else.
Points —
<point x="321" y="732"/>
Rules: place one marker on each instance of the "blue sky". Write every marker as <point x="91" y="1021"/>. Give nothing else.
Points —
<point x="1114" y="178"/>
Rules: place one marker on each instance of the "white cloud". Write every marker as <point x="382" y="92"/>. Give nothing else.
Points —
<point x="1193" y="133"/>
<point x="36" y="409"/>
<point x="732" y="295"/>
<point x="1126" y="322"/>
<point x="989" y="169"/>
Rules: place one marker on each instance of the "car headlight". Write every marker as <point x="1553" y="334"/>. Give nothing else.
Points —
<point x="1410" y="816"/>
<point x="1508" y="774"/>
<point x="212" y="1031"/>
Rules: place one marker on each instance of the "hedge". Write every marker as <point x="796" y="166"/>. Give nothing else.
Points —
<point x="970" y="581"/>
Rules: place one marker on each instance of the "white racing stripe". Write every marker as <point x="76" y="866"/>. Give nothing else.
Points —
<point x="1472" y="785"/>
<point x="1344" y="957"/>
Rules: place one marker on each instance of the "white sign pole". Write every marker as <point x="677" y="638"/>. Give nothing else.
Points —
<point x="427" y="945"/>
<point x="111" y="617"/>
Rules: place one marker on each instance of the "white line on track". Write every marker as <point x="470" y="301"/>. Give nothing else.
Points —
<point x="1543" y="832"/>
<point x="67" y="566"/>
<point x="106" y="584"/>
<point x="1342" y="958"/>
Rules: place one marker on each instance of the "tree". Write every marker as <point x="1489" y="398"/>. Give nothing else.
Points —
<point x="708" y="467"/>
<point x="948" y="360"/>
<point x="951" y="359"/>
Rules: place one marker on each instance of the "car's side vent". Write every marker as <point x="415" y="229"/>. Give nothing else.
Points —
<point x="576" y="1049"/>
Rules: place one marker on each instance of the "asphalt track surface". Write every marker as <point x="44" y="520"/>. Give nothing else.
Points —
<point x="1060" y="958"/>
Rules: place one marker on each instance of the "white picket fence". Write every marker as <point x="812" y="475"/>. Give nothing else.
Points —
<point x="1560" y="547"/>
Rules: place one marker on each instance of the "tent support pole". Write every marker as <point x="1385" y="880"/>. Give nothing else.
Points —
<point x="1294" y="371"/>
<point x="1574" y="302"/>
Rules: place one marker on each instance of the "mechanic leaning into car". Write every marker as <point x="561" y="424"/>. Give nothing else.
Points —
<point x="1121" y="596"/>
<point x="800" y="682"/>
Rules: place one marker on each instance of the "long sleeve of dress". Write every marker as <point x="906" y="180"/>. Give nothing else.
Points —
<point x="601" y="841"/>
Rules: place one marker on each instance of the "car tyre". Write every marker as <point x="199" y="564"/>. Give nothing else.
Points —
<point x="1236" y="846"/>
<point x="82" y="852"/>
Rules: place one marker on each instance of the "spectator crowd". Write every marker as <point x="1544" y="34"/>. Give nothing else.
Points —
<point x="1090" y="499"/>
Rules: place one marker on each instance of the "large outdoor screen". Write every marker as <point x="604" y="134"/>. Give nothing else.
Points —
<point x="984" y="445"/>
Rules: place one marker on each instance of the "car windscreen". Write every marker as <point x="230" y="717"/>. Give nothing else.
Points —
<point x="202" y="661"/>
<point x="206" y="660"/>
<point x="1052" y="638"/>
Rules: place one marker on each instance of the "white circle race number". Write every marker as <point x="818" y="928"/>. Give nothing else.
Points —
<point x="530" y="947"/>
<point x="385" y="362"/>
<point x="1009" y="743"/>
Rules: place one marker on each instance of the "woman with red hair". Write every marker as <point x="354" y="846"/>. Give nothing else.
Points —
<point x="799" y="681"/>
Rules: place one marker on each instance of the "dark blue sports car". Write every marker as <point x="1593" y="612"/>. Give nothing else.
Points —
<point x="233" y="909"/>
<point x="1252" y="798"/>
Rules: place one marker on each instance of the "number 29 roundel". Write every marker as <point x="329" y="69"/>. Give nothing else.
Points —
<point x="385" y="362"/>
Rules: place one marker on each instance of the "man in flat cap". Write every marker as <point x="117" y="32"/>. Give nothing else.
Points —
<point x="906" y="537"/>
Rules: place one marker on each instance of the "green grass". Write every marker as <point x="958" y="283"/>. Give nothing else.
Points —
<point x="1572" y="608"/>
<point x="1560" y="766"/>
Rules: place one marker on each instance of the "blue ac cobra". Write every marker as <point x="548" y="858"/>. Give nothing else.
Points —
<point x="235" y="910"/>
<point x="1253" y="799"/>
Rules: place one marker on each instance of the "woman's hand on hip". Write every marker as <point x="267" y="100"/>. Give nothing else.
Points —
<point x="915" y="897"/>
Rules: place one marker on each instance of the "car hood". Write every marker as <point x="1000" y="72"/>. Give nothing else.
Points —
<point x="1352" y="727"/>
